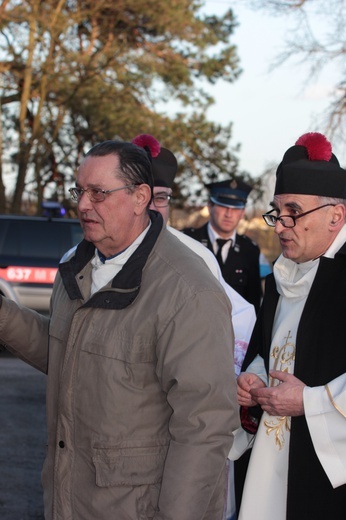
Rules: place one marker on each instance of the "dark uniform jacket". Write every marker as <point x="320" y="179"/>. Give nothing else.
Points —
<point x="241" y="268"/>
<point x="320" y="358"/>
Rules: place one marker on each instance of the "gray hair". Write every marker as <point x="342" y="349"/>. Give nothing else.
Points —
<point x="332" y="200"/>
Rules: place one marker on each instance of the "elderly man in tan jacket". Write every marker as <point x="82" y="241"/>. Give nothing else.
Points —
<point x="141" y="392"/>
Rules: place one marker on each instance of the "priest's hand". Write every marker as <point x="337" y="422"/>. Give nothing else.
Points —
<point x="247" y="382"/>
<point x="285" y="399"/>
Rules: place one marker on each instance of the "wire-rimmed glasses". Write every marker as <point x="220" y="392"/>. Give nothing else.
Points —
<point x="94" y="194"/>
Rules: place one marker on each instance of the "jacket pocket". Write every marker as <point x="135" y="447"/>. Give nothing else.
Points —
<point x="129" y="466"/>
<point x="115" y="345"/>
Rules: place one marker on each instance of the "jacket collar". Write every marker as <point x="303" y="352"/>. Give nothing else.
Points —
<point x="125" y="285"/>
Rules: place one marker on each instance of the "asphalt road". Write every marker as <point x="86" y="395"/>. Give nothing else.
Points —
<point x="22" y="439"/>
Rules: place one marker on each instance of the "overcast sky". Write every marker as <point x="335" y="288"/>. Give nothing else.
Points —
<point x="269" y="110"/>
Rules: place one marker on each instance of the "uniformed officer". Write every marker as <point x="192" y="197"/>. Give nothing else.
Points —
<point x="237" y="255"/>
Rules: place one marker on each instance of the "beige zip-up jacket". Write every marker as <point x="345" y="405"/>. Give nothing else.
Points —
<point x="141" y="393"/>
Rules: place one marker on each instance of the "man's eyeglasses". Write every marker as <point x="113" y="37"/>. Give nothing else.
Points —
<point x="94" y="194"/>
<point x="288" y="221"/>
<point x="161" y="200"/>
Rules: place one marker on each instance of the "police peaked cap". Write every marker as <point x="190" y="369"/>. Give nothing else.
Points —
<point x="232" y="193"/>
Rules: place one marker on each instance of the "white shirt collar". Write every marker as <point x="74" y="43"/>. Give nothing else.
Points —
<point x="103" y="272"/>
<point x="213" y="235"/>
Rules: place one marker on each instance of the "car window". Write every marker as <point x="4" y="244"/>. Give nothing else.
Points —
<point x="37" y="243"/>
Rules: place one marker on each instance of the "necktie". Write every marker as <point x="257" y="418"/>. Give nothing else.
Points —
<point x="220" y="242"/>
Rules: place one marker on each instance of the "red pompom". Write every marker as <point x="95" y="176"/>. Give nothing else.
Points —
<point x="148" y="141"/>
<point x="317" y="145"/>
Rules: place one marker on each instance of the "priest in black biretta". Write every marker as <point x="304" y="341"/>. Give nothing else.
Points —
<point x="292" y="389"/>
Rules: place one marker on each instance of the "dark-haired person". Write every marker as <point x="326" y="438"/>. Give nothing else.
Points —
<point x="236" y="254"/>
<point x="140" y="410"/>
<point x="294" y="371"/>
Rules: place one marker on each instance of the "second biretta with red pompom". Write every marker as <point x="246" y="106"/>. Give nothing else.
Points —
<point x="310" y="168"/>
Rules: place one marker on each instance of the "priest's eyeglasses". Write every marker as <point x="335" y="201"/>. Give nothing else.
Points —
<point x="287" y="221"/>
<point x="161" y="200"/>
<point x="94" y="194"/>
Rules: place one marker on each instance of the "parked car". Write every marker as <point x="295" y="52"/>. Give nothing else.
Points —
<point x="30" y="251"/>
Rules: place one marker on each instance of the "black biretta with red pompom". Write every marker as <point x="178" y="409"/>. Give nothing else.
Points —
<point x="163" y="161"/>
<point x="310" y="168"/>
